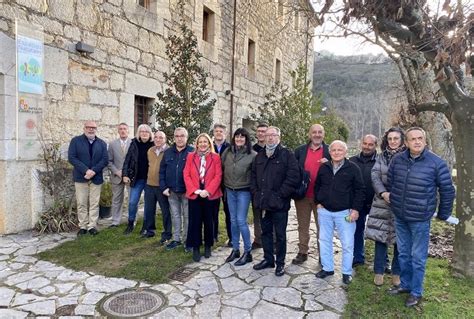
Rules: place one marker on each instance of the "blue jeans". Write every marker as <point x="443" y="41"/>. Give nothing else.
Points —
<point x="413" y="240"/>
<point x="134" y="198"/>
<point x="239" y="202"/>
<point x="380" y="259"/>
<point x="359" y="255"/>
<point x="327" y="222"/>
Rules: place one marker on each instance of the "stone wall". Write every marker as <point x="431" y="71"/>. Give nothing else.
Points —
<point x="129" y="59"/>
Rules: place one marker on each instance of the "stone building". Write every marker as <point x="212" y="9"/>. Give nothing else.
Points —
<point x="104" y="60"/>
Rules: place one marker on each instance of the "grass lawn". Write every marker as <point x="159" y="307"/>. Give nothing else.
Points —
<point x="110" y="253"/>
<point x="444" y="296"/>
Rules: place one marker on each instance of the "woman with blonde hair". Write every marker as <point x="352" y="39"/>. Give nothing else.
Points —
<point x="202" y="177"/>
<point x="135" y="170"/>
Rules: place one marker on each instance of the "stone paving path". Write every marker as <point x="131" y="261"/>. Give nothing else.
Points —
<point x="32" y="287"/>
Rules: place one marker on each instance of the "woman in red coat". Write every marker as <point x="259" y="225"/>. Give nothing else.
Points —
<point x="202" y="176"/>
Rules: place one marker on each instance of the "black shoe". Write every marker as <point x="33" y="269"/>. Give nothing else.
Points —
<point x="346" y="279"/>
<point x="263" y="264"/>
<point x="129" y="228"/>
<point x="147" y="235"/>
<point x="196" y="254"/>
<point x="207" y="252"/>
<point x="412" y="301"/>
<point x="256" y="245"/>
<point x="280" y="270"/>
<point x="93" y="231"/>
<point x="81" y="232"/>
<point x="388" y="269"/>
<point x="162" y="241"/>
<point x="357" y="264"/>
<point x="142" y="232"/>
<point x="246" y="258"/>
<point x="229" y="244"/>
<point x="233" y="255"/>
<point x="398" y="290"/>
<point x="323" y="274"/>
<point x="299" y="259"/>
<point x="113" y="226"/>
<point x="173" y="245"/>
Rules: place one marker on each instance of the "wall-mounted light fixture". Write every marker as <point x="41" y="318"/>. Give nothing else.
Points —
<point x="84" y="48"/>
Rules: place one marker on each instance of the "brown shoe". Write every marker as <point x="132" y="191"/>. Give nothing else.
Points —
<point x="299" y="259"/>
<point x="378" y="280"/>
<point x="396" y="280"/>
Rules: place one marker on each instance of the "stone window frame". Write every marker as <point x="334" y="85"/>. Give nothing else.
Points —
<point x="208" y="50"/>
<point x="278" y="73"/>
<point x="251" y="55"/>
<point x="142" y="104"/>
<point x="145" y="4"/>
<point x="208" y="24"/>
<point x="296" y="21"/>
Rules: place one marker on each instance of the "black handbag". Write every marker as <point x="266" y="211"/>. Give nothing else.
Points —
<point x="302" y="188"/>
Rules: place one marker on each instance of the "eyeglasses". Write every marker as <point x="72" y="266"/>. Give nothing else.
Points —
<point x="91" y="127"/>
<point x="180" y="136"/>
<point x="143" y="132"/>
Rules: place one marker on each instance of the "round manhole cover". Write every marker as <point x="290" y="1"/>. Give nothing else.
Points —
<point x="132" y="303"/>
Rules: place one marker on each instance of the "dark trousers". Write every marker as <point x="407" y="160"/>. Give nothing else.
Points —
<point x="200" y="213"/>
<point x="153" y="194"/>
<point x="215" y="219"/>
<point x="274" y="221"/>
<point x="359" y="247"/>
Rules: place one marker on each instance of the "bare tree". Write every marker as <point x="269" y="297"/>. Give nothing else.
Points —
<point x="420" y="41"/>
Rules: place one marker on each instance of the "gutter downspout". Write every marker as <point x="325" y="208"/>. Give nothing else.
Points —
<point x="232" y="73"/>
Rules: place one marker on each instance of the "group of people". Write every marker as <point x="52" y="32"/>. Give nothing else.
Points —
<point x="389" y="197"/>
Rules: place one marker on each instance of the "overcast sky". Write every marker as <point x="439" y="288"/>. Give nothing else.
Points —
<point x="354" y="45"/>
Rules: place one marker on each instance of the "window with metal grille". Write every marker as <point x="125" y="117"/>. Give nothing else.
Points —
<point x="141" y="110"/>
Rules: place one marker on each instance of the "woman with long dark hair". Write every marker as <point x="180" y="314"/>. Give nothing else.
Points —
<point x="380" y="223"/>
<point x="237" y="166"/>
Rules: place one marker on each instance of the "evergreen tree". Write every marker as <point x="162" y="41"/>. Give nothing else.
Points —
<point x="295" y="110"/>
<point x="185" y="102"/>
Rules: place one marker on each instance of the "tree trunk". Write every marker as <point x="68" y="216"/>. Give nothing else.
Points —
<point x="463" y="129"/>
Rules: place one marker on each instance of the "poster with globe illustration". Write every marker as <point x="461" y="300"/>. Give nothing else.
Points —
<point x="30" y="65"/>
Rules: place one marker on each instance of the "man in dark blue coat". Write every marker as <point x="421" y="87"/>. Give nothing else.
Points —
<point x="88" y="155"/>
<point x="416" y="177"/>
<point x="172" y="185"/>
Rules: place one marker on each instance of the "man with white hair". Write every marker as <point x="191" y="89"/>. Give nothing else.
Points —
<point x="172" y="185"/>
<point x="153" y="192"/>
<point x="275" y="177"/>
<point x="339" y="196"/>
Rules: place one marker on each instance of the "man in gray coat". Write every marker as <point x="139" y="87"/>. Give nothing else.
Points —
<point x="117" y="150"/>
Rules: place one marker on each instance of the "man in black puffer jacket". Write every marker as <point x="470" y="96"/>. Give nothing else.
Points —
<point x="415" y="178"/>
<point x="275" y="177"/>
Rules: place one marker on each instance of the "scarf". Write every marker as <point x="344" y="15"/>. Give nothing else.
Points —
<point x="270" y="149"/>
<point x="202" y="166"/>
<point x="388" y="153"/>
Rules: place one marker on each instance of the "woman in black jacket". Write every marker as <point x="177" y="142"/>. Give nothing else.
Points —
<point x="135" y="170"/>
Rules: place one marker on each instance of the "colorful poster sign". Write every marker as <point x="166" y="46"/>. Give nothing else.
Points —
<point x="30" y="89"/>
<point x="29" y="65"/>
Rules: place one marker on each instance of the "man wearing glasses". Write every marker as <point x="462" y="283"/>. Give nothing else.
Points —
<point x="172" y="186"/>
<point x="275" y="177"/>
<point x="88" y="155"/>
